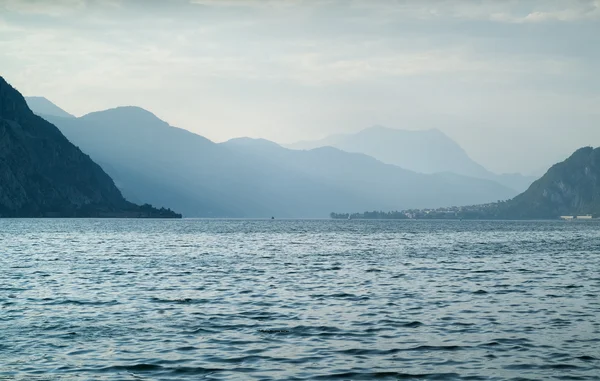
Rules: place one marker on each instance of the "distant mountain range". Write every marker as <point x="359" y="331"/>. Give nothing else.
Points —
<point x="43" y="106"/>
<point x="423" y="151"/>
<point x="44" y="175"/>
<point x="570" y="188"/>
<point x="151" y="161"/>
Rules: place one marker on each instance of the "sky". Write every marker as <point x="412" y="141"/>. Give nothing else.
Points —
<point x="515" y="83"/>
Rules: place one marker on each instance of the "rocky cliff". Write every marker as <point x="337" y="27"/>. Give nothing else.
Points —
<point x="42" y="174"/>
<point x="568" y="188"/>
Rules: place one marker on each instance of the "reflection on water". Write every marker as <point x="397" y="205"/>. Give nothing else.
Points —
<point x="298" y="300"/>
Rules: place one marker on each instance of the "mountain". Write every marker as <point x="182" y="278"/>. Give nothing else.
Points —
<point x="43" y="174"/>
<point x="570" y="188"/>
<point x="371" y="178"/>
<point x="42" y="106"/>
<point x="424" y="151"/>
<point x="154" y="162"/>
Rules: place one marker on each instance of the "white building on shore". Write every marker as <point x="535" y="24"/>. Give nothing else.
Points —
<point x="586" y="217"/>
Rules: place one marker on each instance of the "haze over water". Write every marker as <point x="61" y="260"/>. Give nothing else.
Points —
<point x="298" y="300"/>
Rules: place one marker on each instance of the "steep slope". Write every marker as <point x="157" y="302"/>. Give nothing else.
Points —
<point x="568" y="188"/>
<point x="429" y="151"/>
<point x="43" y="174"/>
<point x="390" y="185"/>
<point x="42" y="106"/>
<point x="150" y="160"/>
<point x="154" y="162"/>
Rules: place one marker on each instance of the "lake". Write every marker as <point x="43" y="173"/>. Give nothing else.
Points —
<point x="299" y="300"/>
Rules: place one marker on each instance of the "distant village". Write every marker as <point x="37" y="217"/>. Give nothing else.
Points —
<point x="586" y="217"/>
<point x="453" y="212"/>
<point x="484" y="211"/>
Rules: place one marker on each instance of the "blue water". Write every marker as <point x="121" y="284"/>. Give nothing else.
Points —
<point x="299" y="300"/>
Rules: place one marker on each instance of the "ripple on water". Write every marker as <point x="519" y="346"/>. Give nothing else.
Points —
<point x="298" y="300"/>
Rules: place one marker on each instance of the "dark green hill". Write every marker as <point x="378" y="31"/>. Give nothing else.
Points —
<point x="42" y="174"/>
<point x="568" y="188"/>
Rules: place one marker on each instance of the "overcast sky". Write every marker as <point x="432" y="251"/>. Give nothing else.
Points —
<point x="514" y="82"/>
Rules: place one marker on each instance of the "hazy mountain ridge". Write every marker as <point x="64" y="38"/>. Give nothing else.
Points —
<point x="155" y="162"/>
<point x="379" y="180"/>
<point x="569" y="188"/>
<point x="142" y="164"/>
<point x="43" y="174"/>
<point x="423" y="151"/>
<point x="44" y="107"/>
<point x="409" y="149"/>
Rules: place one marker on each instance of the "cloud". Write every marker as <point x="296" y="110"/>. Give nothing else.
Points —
<point x="567" y="15"/>
<point x="322" y="69"/>
<point x="508" y="11"/>
<point x="277" y="51"/>
<point x="56" y="8"/>
<point x="256" y="3"/>
<point x="352" y="63"/>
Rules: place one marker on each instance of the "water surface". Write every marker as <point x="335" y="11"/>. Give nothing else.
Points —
<point x="299" y="300"/>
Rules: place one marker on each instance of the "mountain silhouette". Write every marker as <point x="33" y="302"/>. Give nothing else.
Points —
<point x="43" y="106"/>
<point x="151" y="161"/>
<point x="43" y="174"/>
<point x="423" y="151"/>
